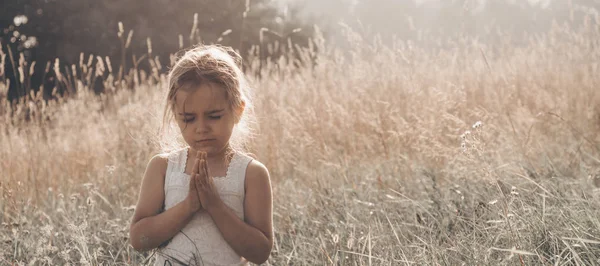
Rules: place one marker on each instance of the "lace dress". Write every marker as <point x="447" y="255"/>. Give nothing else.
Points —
<point x="200" y="242"/>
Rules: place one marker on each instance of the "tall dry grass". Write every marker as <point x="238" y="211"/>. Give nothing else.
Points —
<point x="470" y="154"/>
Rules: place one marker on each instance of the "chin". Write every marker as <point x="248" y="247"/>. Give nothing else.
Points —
<point x="209" y="149"/>
<point x="200" y="147"/>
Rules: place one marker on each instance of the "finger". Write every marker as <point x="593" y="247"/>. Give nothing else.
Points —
<point x="205" y="169"/>
<point x="192" y="181"/>
<point x="208" y="181"/>
<point x="199" y="167"/>
<point x="198" y="154"/>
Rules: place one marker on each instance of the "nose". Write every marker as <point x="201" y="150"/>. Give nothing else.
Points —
<point x="202" y="126"/>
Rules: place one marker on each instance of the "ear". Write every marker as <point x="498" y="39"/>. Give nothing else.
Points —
<point x="240" y="110"/>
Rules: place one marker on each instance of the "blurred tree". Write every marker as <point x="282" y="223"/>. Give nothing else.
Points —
<point x="66" y="28"/>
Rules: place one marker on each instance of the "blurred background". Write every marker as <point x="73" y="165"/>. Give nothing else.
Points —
<point x="46" y="30"/>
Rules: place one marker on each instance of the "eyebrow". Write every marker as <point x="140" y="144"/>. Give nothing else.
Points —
<point x="206" y="113"/>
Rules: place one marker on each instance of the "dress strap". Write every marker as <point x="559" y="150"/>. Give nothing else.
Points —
<point x="237" y="169"/>
<point x="177" y="161"/>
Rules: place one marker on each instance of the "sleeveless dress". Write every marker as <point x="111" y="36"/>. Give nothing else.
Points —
<point x="200" y="242"/>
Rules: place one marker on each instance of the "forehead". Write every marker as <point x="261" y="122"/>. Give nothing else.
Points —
<point x="206" y="97"/>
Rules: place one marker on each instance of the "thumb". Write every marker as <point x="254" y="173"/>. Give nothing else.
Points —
<point x="195" y="167"/>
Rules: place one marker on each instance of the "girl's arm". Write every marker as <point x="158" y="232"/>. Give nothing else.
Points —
<point x="252" y="239"/>
<point x="149" y="227"/>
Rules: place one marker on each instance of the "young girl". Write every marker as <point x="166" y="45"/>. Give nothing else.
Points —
<point x="207" y="203"/>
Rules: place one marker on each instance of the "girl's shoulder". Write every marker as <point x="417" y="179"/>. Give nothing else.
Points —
<point x="161" y="161"/>
<point x="252" y="165"/>
<point x="158" y="162"/>
<point x="257" y="172"/>
<point x="256" y="165"/>
<point x="172" y="156"/>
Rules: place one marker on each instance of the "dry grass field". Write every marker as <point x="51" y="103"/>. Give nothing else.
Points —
<point x="470" y="154"/>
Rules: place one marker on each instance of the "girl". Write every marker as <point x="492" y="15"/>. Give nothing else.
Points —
<point x="217" y="201"/>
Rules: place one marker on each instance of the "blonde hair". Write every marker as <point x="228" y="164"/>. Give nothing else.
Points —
<point x="216" y="65"/>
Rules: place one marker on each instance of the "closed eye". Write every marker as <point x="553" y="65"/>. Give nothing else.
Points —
<point x="215" y="117"/>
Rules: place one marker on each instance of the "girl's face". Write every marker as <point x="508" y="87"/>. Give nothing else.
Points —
<point x="204" y="118"/>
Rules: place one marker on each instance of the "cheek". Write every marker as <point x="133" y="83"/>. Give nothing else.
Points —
<point x="184" y="128"/>
<point x="226" y="126"/>
<point x="230" y="122"/>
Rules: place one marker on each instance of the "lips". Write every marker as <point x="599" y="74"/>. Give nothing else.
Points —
<point x="205" y="142"/>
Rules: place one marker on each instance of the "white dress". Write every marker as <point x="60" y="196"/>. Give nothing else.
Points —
<point x="200" y="242"/>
